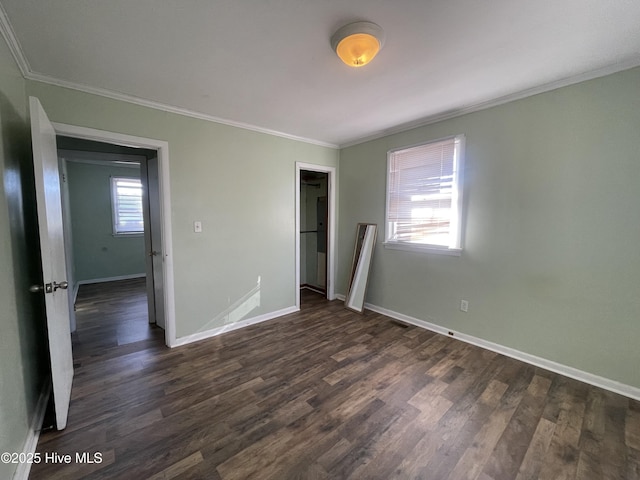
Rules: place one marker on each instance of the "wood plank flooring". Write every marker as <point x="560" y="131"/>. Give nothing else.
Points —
<point x="323" y="394"/>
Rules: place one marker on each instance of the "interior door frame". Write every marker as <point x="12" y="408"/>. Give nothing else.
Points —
<point x="87" y="157"/>
<point x="331" y="225"/>
<point x="162" y="148"/>
<point x="149" y="175"/>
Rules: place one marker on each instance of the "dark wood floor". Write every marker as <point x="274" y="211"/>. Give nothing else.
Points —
<point x="324" y="394"/>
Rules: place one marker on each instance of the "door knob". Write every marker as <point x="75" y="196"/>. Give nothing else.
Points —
<point x="47" y="287"/>
<point x="154" y="253"/>
<point x="62" y="285"/>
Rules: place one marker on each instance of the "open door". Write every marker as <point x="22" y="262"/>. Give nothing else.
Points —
<point x="149" y="175"/>
<point x="47" y="180"/>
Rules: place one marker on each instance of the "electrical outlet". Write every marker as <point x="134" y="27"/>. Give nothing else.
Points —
<point x="464" y="306"/>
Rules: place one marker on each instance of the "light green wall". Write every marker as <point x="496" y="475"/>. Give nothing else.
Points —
<point x="97" y="253"/>
<point x="551" y="264"/>
<point x="240" y="184"/>
<point x="23" y="360"/>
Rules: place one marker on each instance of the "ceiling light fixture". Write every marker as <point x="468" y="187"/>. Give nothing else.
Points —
<point x="357" y="43"/>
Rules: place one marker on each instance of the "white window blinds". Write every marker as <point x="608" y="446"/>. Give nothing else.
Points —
<point x="126" y="196"/>
<point x="424" y="194"/>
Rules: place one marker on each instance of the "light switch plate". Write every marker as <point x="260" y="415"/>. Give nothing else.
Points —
<point x="197" y="227"/>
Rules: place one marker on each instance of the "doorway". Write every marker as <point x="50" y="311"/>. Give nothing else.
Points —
<point x="315" y="230"/>
<point x="111" y="222"/>
<point x="52" y="246"/>
<point x="152" y="157"/>
<point x="314" y="215"/>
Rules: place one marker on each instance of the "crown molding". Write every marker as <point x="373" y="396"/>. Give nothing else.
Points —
<point x="547" y="87"/>
<point x="124" y="160"/>
<point x="12" y="42"/>
<point x="143" y="102"/>
<point x="8" y="33"/>
<point x="16" y="50"/>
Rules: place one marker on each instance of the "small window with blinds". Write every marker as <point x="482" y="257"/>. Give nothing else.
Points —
<point x="126" y="202"/>
<point x="424" y="197"/>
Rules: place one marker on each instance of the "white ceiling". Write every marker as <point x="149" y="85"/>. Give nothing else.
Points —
<point x="268" y="64"/>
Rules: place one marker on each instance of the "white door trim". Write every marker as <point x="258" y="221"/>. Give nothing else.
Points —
<point x="331" y="233"/>
<point x="165" y="204"/>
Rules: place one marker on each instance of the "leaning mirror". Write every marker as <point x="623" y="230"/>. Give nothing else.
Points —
<point x="365" y="243"/>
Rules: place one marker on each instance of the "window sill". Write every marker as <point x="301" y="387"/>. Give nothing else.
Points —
<point x="132" y="234"/>
<point x="432" y="249"/>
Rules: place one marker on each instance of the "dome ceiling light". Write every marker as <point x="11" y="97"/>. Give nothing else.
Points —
<point x="358" y="43"/>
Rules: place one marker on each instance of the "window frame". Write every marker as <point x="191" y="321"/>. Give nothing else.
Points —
<point x="114" y="206"/>
<point x="455" y="246"/>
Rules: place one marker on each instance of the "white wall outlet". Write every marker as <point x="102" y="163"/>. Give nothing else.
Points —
<point x="197" y="227"/>
<point x="464" y="305"/>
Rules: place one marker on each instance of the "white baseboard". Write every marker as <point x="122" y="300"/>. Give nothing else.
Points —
<point x="30" y="444"/>
<point x="586" y="377"/>
<point x="111" y="279"/>
<point x="567" y="371"/>
<point x="312" y="288"/>
<point x="233" y="326"/>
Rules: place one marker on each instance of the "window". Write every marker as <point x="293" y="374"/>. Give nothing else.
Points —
<point x="126" y="202"/>
<point x="424" y="197"/>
